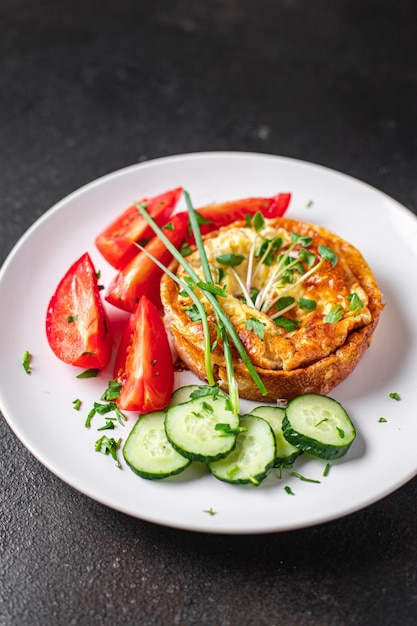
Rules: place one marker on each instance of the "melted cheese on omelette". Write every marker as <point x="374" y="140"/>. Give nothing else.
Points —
<point x="297" y="335"/>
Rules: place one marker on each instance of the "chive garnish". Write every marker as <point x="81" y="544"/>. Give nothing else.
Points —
<point x="303" y="478"/>
<point x="226" y="328"/>
<point x="326" y="469"/>
<point x="394" y="395"/>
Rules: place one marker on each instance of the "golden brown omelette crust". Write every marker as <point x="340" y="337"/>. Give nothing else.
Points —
<point x="315" y="356"/>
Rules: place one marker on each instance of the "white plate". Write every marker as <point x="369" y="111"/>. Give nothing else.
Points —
<point x="39" y="407"/>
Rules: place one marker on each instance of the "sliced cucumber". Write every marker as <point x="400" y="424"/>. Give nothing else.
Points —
<point x="253" y="456"/>
<point x="202" y="429"/>
<point x="147" y="450"/>
<point x="274" y="415"/>
<point x="319" y="425"/>
<point x="186" y="393"/>
<point x="182" y="394"/>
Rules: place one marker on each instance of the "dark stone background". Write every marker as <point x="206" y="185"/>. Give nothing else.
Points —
<point x="90" y="86"/>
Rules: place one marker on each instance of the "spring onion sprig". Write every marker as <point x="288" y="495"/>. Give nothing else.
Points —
<point x="226" y="327"/>
<point x="200" y="307"/>
<point x="233" y="388"/>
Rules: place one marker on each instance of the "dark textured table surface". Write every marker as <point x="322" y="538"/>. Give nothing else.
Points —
<point x="88" y="87"/>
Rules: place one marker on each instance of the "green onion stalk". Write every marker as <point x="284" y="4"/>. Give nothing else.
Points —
<point x="225" y="327"/>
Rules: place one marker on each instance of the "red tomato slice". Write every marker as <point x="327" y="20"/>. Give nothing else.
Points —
<point x="77" y="327"/>
<point x="117" y="242"/>
<point x="235" y="210"/>
<point x="142" y="276"/>
<point x="143" y="363"/>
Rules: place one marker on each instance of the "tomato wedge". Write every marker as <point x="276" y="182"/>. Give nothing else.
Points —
<point x="143" y="364"/>
<point x="142" y="277"/>
<point x="235" y="210"/>
<point x="117" y="241"/>
<point x="77" y="327"/>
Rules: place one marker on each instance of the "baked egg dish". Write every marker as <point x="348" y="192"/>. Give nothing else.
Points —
<point x="303" y="301"/>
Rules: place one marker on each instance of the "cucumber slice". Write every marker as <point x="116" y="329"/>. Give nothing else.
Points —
<point x="319" y="425"/>
<point x="148" y="452"/>
<point x="274" y="415"/>
<point x="254" y="454"/>
<point x="182" y="394"/>
<point x="202" y="429"/>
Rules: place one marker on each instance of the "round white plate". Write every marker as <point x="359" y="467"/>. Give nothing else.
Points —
<point x="38" y="407"/>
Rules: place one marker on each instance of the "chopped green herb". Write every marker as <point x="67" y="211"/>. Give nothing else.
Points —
<point x="205" y="390"/>
<point x="107" y="445"/>
<point x="220" y="274"/>
<point x="306" y="304"/>
<point x="230" y="259"/>
<point x="394" y="395"/>
<point x="301" y="477"/>
<point x="256" y="326"/>
<point x="201" y="220"/>
<point x="193" y="313"/>
<point x="76" y="404"/>
<point x="210" y="511"/>
<point x="258" y="221"/>
<point x="112" y="392"/>
<point x="356" y="303"/>
<point x="227" y="430"/>
<point x="27" y="358"/>
<point x="144" y="241"/>
<point x="185" y="249"/>
<point x="289" y="490"/>
<point x="109" y="425"/>
<point x="286" y="323"/>
<point x="72" y="318"/>
<point x="284" y="303"/>
<point x="309" y="204"/>
<point x="334" y="315"/>
<point x="169" y="226"/>
<point x="91" y="373"/>
<point x="102" y="409"/>
<point x="212" y="288"/>
<point x="382" y="420"/>
<point x="232" y="471"/>
<point x="326" y="469"/>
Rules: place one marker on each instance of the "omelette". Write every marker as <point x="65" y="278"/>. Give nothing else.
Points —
<point x="303" y="301"/>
